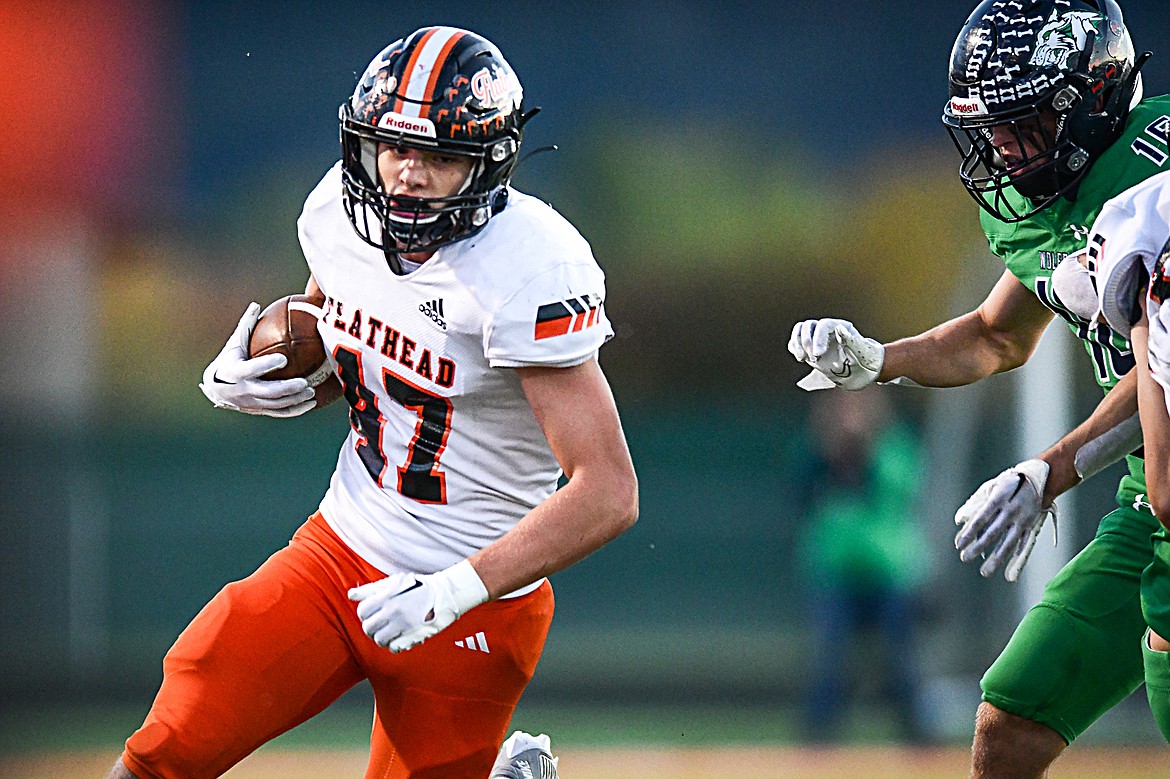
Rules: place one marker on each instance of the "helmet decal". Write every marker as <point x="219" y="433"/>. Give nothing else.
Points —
<point x="1063" y="37"/>
<point x="980" y="45"/>
<point x="491" y="88"/>
<point x="382" y="84"/>
<point x="407" y="124"/>
<point x="968" y="106"/>
<point x="992" y="65"/>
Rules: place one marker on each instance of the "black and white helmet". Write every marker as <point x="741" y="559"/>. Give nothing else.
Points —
<point x="440" y="89"/>
<point x="1059" y="75"/>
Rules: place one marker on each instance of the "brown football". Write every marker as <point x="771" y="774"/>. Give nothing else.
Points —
<point x="292" y="331"/>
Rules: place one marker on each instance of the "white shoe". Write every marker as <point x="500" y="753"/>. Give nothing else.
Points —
<point x="524" y="756"/>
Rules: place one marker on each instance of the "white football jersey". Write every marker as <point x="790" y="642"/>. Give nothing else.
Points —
<point x="1128" y="234"/>
<point x="445" y="454"/>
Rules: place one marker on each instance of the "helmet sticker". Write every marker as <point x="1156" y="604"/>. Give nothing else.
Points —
<point x="968" y="106"/>
<point x="1062" y="37"/>
<point x="490" y="89"/>
<point x="384" y="86"/>
<point x="980" y="45"/>
<point x="407" y="124"/>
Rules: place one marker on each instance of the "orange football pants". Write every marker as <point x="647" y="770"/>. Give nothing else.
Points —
<point x="270" y="651"/>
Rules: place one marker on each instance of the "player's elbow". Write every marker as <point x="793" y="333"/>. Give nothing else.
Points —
<point x="621" y="502"/>
<point x="1007" y="348"/>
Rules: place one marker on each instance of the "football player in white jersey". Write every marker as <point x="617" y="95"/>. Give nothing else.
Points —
<point x="1129" y="257"/>
<point x="464" y="319"/>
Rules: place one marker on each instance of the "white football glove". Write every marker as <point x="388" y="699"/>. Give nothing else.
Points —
<point x="405" y="609"/>
<point x="1002" y="520"/>
<point x="839" y="355"/>
<point x="233" y="381"/>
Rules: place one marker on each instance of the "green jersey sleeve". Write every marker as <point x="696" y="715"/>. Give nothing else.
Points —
<point x="1032" y="249"/>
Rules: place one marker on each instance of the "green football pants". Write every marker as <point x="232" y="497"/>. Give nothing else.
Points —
<point x="1078" y="652"/>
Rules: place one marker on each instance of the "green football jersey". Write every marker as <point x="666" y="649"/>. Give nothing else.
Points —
<point x="1032" y="249"/>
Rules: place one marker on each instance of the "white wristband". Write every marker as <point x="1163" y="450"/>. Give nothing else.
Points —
<point x="466" y="588"/>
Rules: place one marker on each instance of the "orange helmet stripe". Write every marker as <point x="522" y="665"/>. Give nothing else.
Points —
<point x="408" y="71"/>
<point x="437" y="68"/>
<point x="422" y="69"/>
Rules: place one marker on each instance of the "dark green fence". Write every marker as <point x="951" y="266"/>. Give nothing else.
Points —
<point x="113" y="540"/>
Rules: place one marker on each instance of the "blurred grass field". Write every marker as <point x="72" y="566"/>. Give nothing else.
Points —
<point x="654" y="763"/>
<point x="593" y="742"/>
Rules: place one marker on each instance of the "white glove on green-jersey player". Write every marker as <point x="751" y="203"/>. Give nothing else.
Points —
<point x="1002" y="520"/>
<point x="838" y="354"/>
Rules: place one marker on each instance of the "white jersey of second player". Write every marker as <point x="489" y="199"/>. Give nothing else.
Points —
<point x="445" y="454"/>
<point x="1128" y="237"/>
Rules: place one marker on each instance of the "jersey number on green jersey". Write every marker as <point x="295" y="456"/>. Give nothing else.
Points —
<point x="1158" y="153"/>
<point x="1111" y="356"/>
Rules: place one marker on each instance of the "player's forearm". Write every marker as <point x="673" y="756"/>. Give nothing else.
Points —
<point x="1155" y="428"/>
<point x="953" y="354"/>
<point x="581" y="517"/>
<point x="1115" y="408"/>
<point x="1156" y="432"/>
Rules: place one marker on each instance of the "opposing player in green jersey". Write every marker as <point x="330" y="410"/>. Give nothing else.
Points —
<point x="1046" y="109"/>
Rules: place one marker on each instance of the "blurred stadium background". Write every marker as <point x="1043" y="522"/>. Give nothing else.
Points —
<point x="737" y="166"/>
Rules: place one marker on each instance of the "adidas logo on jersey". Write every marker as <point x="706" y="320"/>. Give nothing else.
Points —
<point x="434" y="310"/>
<point x="471" y="643"/>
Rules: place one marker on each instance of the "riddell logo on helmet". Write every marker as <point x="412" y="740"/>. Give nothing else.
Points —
<point x="968" y="106"/>
<point x="407" y="124"/>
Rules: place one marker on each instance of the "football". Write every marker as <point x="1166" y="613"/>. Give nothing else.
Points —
<point x="288" y="326"/>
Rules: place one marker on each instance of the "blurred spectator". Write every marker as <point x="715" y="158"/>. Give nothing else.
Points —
<point x="864" y="558"/>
